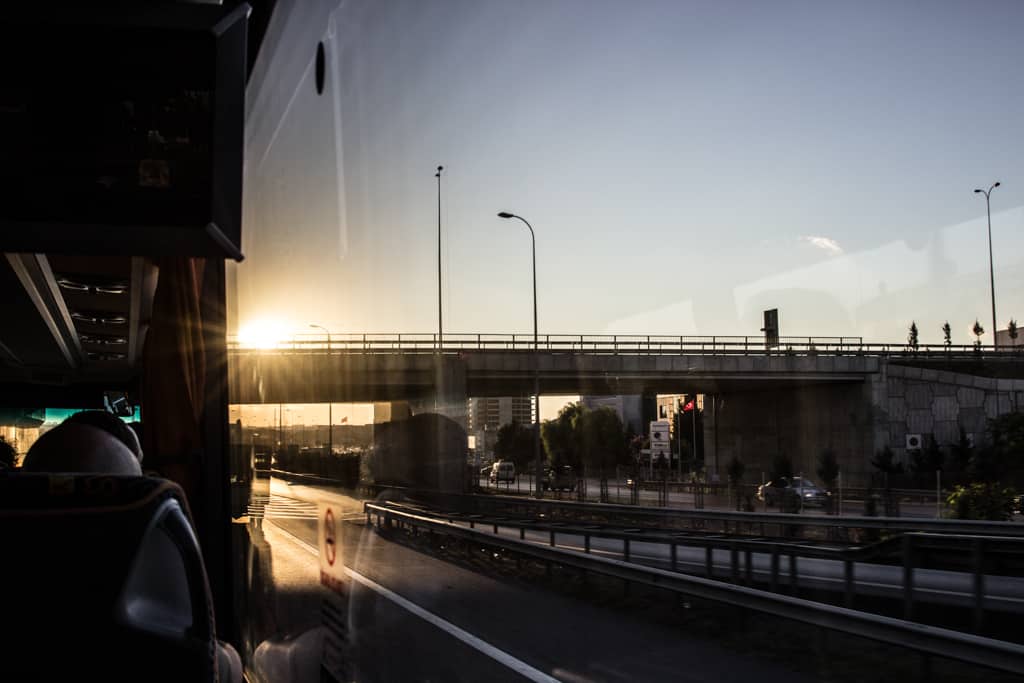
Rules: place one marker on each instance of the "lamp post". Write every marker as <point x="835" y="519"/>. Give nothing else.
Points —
<point x="440" y="327"/>
<point x="991" y="270"/>
<point x="536" y="369"/>
<point x="330" y="421"/>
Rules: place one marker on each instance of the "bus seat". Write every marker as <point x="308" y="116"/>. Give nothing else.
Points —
<point x="103" y="580"/>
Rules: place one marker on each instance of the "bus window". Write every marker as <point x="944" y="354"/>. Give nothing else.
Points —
<point x="491" y="371"/>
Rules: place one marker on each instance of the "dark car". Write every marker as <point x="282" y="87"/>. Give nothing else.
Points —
<point x="798" y="490"/>
<point x="559" y="478"/>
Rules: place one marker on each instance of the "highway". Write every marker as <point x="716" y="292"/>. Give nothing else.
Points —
<point x="941" y="587"/>
<point x="517" y="632"/>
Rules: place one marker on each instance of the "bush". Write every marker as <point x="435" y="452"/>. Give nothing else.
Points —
<point x="885" y="461"/>
<point x="992" y="502"/>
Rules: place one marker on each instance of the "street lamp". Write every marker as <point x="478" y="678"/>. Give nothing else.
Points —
<point x="536" y="361"/>
<point x="330" y="421"/>
<point x="440" y="327"/>
<point x="991" y="270"/>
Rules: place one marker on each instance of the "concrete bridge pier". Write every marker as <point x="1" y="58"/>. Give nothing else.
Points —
<point x="449" y="393"/>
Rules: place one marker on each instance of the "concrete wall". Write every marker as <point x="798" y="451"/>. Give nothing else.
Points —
<point x="854" y="420"/>
<point x="800" y="422"/>
<point x="936" y="402"/>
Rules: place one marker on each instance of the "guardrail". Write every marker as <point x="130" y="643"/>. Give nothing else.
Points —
<point x="983" y="553"/>
<point x="712" y="490"/>
<point x="413" y="343"/>
<point x="788" y="525"/>
<point x="929" y="640"/>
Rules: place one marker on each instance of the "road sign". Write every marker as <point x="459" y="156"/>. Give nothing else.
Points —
<point x="659" y="433"/>
<point x="771" y="328"/>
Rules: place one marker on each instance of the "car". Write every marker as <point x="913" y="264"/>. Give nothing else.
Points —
<point x="559" y="478"/>
<point x="802" y="490"/>
<point x="503" y="471"/>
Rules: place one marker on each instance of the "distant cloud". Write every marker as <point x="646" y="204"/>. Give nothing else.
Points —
<point x="826" y="243"/>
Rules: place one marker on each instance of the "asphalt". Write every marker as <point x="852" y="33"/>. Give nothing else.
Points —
<point x="552" y="633"/>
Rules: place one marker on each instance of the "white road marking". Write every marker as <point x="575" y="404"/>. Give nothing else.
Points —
<point x="500" y="656"/>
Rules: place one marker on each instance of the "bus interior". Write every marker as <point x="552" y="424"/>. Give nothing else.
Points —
<point x="214" y="228"/>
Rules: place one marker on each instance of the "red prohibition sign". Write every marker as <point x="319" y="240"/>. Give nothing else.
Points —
<point x="330" y="542"/>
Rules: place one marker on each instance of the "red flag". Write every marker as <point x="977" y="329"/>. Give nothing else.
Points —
<point x="688" y="407"/>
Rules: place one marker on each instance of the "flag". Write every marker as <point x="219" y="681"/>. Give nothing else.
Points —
<point x="688" y="407"/>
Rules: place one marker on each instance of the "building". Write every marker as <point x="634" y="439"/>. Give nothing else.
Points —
<point x="486" y="415"/>
<point x="670" y="404"/>
<point x="629" y="408"/>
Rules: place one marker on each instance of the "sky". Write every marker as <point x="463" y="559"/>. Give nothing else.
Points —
<point x="272" y="415"/>
<point x="684" y="165"/>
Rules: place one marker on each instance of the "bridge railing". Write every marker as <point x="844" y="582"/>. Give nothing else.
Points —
<point x="607" y="344"/>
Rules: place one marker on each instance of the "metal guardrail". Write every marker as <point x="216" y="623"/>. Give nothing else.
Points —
<point x="982" y="551"/>
<point x="666" y="517"/>
<point x="930" y="640"/>
<point x="849" y="493"/>
<point x="406" y="343"/>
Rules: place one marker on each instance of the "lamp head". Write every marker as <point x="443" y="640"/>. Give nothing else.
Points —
<point x="979" y="190"/>
<point x="505" y="214"/>
<point x="997" y="184"/>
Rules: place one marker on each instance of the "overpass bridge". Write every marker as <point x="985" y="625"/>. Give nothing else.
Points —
<point x="383" y="367"/>
<point x="807" y="394"/>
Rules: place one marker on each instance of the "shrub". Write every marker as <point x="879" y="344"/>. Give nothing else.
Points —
<point x="992" y="502"/>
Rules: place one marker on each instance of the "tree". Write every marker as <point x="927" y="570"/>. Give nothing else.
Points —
<point x="828" y="472"/>
<point x="960" y="452"/>
<point x="1003" y="456"/>
<point x="515" y="443"/>
<point x="912" y="336"/>
<point x="828" y="468"/>
<point x="1011" y="329"/>
<point x="947" y="333"/>
<point x="735" y="471"/>
<point x="561" y="438"/>
<point x="602" y="439"/>
<point x="782" y="467"/>
<point x="885" y="461"/>
<point x="927" y="460"/>
<point x="978" y="330"/>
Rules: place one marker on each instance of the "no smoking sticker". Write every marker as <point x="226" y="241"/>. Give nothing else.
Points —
<point x="332" y="573"/>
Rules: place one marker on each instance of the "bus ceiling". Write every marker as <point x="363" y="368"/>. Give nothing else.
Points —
<point x="123" y="141"/>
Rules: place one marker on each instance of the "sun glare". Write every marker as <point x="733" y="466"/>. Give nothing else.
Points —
<point x="263" y="334"/>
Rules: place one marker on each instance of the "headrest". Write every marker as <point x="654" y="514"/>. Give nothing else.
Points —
<point x="105" y="576"/>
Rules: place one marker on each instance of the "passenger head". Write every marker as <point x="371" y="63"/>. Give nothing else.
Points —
<point x="75" y="447"/>
<point x="8" y="456"/>
<point x="112" y="425"/>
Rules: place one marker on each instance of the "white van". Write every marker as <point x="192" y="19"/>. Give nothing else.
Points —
<point x="503" y="471"/>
